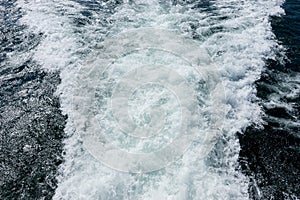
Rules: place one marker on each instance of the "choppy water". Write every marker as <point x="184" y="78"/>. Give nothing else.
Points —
<point x="31" y="124"/>
<point x="272" y="152"/>
<point x="247" y="133"/>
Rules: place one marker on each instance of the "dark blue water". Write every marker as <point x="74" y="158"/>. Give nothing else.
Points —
<point x="271" y="155"/>
<point x="31" y="123"/>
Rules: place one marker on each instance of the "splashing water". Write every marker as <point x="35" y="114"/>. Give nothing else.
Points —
<point x="156" y="87"/>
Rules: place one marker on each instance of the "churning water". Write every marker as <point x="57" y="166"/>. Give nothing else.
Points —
<point x="154" y="93"/>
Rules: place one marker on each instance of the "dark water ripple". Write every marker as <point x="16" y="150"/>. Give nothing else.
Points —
<point x="271" y="155"/>
<point x="31" y="124"/>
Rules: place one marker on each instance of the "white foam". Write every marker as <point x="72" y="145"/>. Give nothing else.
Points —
<point x="238" y="50"/>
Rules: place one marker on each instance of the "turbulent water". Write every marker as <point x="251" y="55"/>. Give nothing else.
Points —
<point x="62" y="62"/>
<point x="271" y="153"/>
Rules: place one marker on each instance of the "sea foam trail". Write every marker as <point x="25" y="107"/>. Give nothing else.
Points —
<point x="238" y="38"/>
